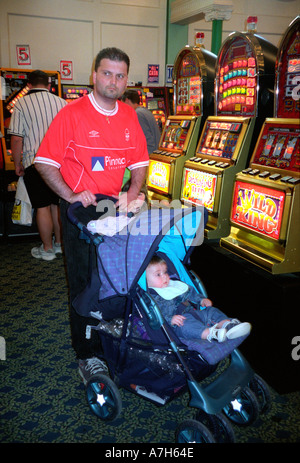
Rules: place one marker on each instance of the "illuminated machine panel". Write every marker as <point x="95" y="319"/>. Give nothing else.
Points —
<point x="287" y="75"/>
<point x="13" y="86"/>
<point x="244" y="72"/>
<point x="73" y="92"/>
<point x="199" y="188"/>
<point x="265" y="211"/>
<point x="278" y="147"/>
<point x="166" y="163"/>
<point x="275" y="167"/>
<point x="193" y="78"/>
<point x="244" y="76"/>
<point x="159" y="176"/>
<point x="258" y="209"/>
<point x="157" y="100"/>
<point x="175" y="135"/>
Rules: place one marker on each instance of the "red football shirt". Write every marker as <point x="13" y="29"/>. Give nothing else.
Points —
<point x="92" y="149"/>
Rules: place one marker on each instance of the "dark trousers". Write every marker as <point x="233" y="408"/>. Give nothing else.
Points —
<point x="78" y="265"/>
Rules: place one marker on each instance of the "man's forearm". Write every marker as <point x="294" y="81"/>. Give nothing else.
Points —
<point x="16" y="144"/>
<point x="137" y="179"/>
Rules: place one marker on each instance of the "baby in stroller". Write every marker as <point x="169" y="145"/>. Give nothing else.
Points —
<point x="179" y="301"/>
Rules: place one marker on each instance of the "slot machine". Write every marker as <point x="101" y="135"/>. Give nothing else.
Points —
<point x="71" y="92"/>
<point x="243" y="95"/>
<point x="265" y="211"/>
<point x="193" y="83"/>
<point x="13" y="85"/>
<point x="157" y="100"/>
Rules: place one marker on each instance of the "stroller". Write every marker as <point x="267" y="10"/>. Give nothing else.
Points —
<point x="143" y="353"/>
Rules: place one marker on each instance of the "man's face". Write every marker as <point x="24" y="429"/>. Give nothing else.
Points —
<point x="110" y="80"/>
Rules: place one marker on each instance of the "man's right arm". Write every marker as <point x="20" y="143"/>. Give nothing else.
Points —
<point x="52" y="176"/>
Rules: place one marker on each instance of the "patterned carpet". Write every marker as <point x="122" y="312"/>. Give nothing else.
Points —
<point x="42" y="397"/>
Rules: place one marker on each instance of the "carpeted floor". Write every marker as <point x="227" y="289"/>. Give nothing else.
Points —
<point x="42" y="397"/>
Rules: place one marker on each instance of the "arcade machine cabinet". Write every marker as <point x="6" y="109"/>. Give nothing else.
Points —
<point x="243" y="96"/>
<point x="193" y="81"/>
<point x="157" y="100"/>
<point x="71" y="92"/>
<point x="265" y="212"/>
<point x="13" y="85"/>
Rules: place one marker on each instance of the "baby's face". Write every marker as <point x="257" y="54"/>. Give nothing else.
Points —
<point x="157" y="276"/>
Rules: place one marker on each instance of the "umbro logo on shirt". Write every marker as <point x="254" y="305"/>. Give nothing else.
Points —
<point x="94" y="134"/>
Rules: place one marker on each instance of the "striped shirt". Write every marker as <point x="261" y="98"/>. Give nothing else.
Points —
<point x="31" y="119"/>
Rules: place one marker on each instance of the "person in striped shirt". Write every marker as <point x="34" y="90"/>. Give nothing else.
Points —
<point x="30" y="121"/>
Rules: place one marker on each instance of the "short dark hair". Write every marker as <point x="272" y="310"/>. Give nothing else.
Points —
<point x="113" y="54"/>
<point x="132" y="95"/>
<point x="155" y="259"/>
<point x="38" y="77"/>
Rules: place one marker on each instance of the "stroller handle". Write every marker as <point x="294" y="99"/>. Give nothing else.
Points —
<point x="71" y="213"/>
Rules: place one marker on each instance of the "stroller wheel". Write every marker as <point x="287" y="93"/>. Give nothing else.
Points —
<point x="191" y="431"/>
<point x="219" y="426"/>
<point x="244" y="409"/>
<point x="262" y="393"/>
<point x="104" y="398"/>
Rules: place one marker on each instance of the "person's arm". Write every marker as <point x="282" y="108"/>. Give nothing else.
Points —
<point x="126" y="200"/>
<point x="55" y="181"/>
<point x="16" y="144"/>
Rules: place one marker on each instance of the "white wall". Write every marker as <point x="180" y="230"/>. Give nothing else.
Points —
<point x="274" y="17"/>
<point x="75" y="30"/>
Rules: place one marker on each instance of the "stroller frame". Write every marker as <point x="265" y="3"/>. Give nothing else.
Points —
<point x="238" y="383"/>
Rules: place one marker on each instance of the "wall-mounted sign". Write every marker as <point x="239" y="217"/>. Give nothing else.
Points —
<point x="66" y="70"/>
<point x="169" y="75"/>
<point x="153" y="73"/>
<point x="23" y="55"/>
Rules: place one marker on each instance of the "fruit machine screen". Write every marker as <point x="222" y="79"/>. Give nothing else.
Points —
<point x="278" y="150"/>
<point x="73" y="92"/>
<point x="164" y="162"/>
<point x="13" y="87"/>
<point x="175" y="134"/>
<point x="258" y="208"/>
<point x="219" y="139"/>
<point x="159" y="176"/>
<point x="188" y="85"/>
<point x="237" y="80"/>
<point x="199" y="188"/>
<point x="287" y="101"/>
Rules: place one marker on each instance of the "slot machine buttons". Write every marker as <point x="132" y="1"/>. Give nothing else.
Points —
<point x="246" y="171"/>
<point x="166" y="153"/>
<point x="193" y="159"/>
<point x="211" y="163"/>
<point x="275" y="177"/>
<point x="198" y="160"/>
<point x="219" y="164"/>
<point x="294" y="180"/>
<point x="254" y="172"/>
<point x="286" y="179"/>
<point x="175" y="155"/>
<point x="204" y="161"/>
<point x="264" y="174"/>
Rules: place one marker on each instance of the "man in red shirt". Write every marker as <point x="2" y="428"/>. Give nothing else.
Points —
<point x="85" y="152"/>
